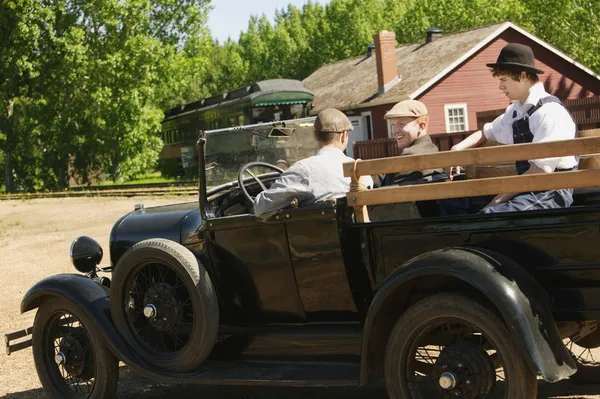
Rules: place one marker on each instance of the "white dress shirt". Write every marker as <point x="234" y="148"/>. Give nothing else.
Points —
<point x="550" y="122"/>
<point x="311" y="180"/>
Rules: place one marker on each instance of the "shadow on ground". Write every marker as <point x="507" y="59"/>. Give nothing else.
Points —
<point x="132" y="386"/>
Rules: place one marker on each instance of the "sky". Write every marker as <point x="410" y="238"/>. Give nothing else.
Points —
<point x="229" y="17"/>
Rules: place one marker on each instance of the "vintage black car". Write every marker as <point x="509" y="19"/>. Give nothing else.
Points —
<point x="471" y="306"/>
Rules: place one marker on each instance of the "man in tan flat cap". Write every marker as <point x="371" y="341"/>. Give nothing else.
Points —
<point x="317" y="178"/>
<point x="409" y="120"/>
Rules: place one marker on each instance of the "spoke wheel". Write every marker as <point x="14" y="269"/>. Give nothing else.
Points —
<point x="71" y="358"/>
<point x="588" y="364"/>
<point x="159" y="309"/>
<point x="164" y="305"/>
<point x="448" y="346"/>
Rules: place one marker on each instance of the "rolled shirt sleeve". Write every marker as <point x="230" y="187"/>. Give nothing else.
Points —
<point x="553" y="124"/>
<point x="293" y="183"/>
<point x="498" y="128"/>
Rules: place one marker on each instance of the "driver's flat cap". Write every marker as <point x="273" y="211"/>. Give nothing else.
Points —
<point x="331" y="120"/>
<point x="412" y="108"/>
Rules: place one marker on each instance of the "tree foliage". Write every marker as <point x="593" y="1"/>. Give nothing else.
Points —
<point x="300" y="40"/>
<point x="93" y="77"/>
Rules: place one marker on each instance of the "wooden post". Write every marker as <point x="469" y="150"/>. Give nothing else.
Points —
<point x="361" y="213"/>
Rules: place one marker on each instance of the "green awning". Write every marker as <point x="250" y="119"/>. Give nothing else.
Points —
<point x="265" y="104"/>
<point x="282" y="98"/>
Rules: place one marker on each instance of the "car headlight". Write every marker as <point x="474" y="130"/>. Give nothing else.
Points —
<point x="86" y="254"/>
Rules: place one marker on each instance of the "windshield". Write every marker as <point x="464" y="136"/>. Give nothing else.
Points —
<point x="227" y="151"/>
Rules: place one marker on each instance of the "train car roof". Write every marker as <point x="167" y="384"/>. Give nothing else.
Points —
<point x="259" y="94"/>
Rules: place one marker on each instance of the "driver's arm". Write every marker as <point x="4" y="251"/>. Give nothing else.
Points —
<point x="293" y="183"/>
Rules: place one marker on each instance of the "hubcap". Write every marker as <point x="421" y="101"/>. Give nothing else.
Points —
<point x="150" y="311"/>
<point x="447" y="381"/>
<point x="60" y="359"/>
<point x="465" y="368"/>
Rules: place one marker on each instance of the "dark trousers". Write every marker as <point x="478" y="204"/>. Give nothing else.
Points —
<point x="562" y="198"/>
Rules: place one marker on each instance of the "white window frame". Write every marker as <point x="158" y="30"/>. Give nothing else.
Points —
<point x="390" y="127"/>
<point x="370" y="115"/>
<point x="448" y="107"/>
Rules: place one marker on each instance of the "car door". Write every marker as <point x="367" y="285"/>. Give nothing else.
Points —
<point x="256" y="278"/>
<point x="319" y="266"/>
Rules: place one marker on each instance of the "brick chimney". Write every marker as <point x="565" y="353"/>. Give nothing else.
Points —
<point x="385" y="54"/>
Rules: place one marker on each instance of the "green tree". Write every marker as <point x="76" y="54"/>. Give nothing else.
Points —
<point x="571" y="26"/>
<point x="256" y="48"/>
<point x="21" y="24"/>
<point x="112" y="68"/>
<point x="228" y="69"/>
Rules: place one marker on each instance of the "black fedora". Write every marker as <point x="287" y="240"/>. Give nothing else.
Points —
<point x="519" y="55"/>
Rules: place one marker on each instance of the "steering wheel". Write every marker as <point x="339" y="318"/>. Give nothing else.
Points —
<point x="245" y="168"/>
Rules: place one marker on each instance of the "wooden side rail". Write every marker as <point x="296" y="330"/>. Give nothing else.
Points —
<point x="586" y="144"/>
<point x="475" y="156"/>
<point x="476" y="187"/>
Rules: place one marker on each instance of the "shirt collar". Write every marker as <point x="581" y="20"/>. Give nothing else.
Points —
<point x="536" y="92"/>
<point x="423" y="139"/>
<point x="329" y="149"/>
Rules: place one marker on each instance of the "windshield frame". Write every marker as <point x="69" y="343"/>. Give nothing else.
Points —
<point x="253" y="129"/>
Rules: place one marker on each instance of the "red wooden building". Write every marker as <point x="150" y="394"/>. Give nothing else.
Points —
<point x="445" y="71"/>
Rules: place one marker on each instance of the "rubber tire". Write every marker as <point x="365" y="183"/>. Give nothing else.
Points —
<point x="107" y="365"/>
<point x="444" y="305"/>
<point x="587" y="374"/>
<point x="198" y="284"/>
<point x="591" y="341"/>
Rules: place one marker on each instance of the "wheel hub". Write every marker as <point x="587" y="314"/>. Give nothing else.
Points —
<point x="448" y="381"/>
<point x="465" y="370"/>
<point x="150" y="311"/>
<point x="71" y="350"/>
<point x="60" y="359"/>
<point x="161" y="307"/>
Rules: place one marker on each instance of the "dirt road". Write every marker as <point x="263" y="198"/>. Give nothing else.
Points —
<point x="34" y="243"/>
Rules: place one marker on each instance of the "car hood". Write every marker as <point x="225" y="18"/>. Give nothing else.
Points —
<point x="174" y="222"/>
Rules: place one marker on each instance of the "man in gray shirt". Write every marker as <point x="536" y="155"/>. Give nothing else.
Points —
<point x="317" y="178"/>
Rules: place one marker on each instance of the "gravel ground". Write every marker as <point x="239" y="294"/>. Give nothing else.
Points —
<point x="34" y="243"/>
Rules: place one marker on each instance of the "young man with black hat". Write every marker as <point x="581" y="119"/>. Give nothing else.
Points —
<point x="533" y="116"/>
<point x="317" y="178"/>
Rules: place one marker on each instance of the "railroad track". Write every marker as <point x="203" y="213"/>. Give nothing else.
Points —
<point x="140" y="191"/>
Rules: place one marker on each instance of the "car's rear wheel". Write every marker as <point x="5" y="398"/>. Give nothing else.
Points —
<point x="590" y="341"/>
<point x="71" y="358"/>
<point x="449" y="346"/>
<point x="588" y="364"/>
<point x="164" y="305"/>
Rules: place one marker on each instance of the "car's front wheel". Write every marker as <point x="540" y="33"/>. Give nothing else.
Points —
<point x="450" y="346"/>
<point x="71" y="358"/>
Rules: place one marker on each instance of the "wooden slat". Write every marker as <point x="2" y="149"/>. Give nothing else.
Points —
<point x="476" y="156"/>
<point x="457" y="189"/>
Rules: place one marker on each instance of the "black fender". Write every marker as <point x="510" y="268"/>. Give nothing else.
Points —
<point x="517" y="296"/>
<point x="94" y="299"/>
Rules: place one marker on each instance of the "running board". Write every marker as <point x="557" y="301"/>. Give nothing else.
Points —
<point x="277" y="374"/>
